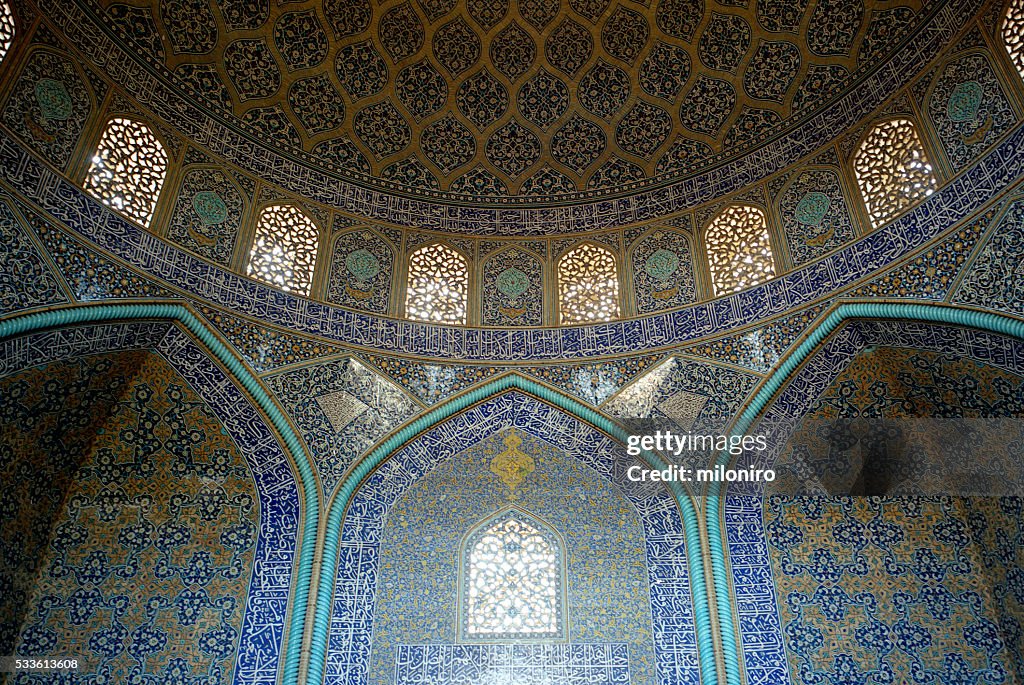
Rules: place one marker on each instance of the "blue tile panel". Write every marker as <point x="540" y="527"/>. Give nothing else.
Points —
<point x="579" y="664"/>
<point x="757" y="603"/>
<point x="25" y="279"/>
<point x="260" y="638"/>
<point x="149" y="85"/>
<point x="942" y="210"/>
<point x="607" y="596"/>
<point x="359" y="570"/>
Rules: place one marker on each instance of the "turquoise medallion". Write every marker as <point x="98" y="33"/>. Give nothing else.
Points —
<point x="512" y="282"/>
<point x="812" y="208"/>
<point x="53" y="99"/>
<point x="362" y="264"/>
<point x="964" y="102"/>
<point x="662" y="264"/>
<point x="210" y="207"/>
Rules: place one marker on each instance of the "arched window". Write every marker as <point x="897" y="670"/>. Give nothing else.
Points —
<point x="588" y="285"/>
<point x="1013" y="33"/>
<point x="893" y="171"/>
<point x="739" y="249"/>
<point x="128" y="169"/>
<point x="512" y="580"/>
<point x="438" y="285"/>
<point x="6" y="28"/>
<point x="284" y="248"/>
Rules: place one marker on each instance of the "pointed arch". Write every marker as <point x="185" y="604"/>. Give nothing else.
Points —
<point x="284" y="248"/>
<point x="342" y="500"/>
<point x="662" y="267"/>
<point x="739" y="249"/>
<point x="769" y="389"/>
<point x="128" y="168"/>
<point x="236" y="373"/>
<point x="893" y="169"/>
<point x="511" y="579"/>
<point x="588" y="284"/>
<point x="437" y="284"/>
<point x="361" y="270"/>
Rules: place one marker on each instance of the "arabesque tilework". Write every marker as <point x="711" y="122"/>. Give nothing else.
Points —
<point x="256" y="619"/>
<point x="146" y="570"/>
<point x="605" y="569"/>
<point x="368" y="571"/>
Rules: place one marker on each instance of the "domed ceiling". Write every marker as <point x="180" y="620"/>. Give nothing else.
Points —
<point x="492" y="98"/>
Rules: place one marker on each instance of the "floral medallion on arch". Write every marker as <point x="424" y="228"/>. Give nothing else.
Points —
<point x="969" y="108"/>
<point x="814" y="214"/>
<point x="663" y="271"/>
<point x="49" y="106"/>
<point x="207" y="214"/>
<point x="361" y="267"/>
<point x="513" y="289"/>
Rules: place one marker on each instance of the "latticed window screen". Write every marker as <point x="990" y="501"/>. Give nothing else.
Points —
<point x="128" y="169"/>
<point x="893" y="171"/>
<point x="588" y="285"/>
<point x="438" y="285"/>
<point x="6" y="28"/>
<point x="284" y="248"/>
<point x="512" y="580"/>
<point x="1013" y="33"/>
<point x="739" y="249"/>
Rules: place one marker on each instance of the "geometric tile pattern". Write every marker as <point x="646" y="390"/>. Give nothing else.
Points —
<point x="894" y="583"/>
<point x="589" y="46"/>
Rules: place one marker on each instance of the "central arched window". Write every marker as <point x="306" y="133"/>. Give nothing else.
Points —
<point x="438" y="285"/>
<point x="739" y="249"/>
<point x="284" y="248"/>
<point x="128" y="169"/>
<point x="588" y="285"/>
<point x="512" y="583"/>
<point x="893" y="171"/>
<point x="1013" y="33"/>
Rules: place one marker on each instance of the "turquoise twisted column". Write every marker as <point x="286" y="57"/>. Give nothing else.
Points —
<point x="108" y="313"/>
<point x="691" y="521"/>
<point x="717" y="546"/>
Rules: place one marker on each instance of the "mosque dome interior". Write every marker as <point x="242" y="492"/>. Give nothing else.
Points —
<point x="512" y="342"/>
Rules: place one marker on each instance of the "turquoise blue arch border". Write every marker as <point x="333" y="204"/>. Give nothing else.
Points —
<point x="818" y="335"/>
<point x="18" y="324"/>
<point x="702" y="600"/>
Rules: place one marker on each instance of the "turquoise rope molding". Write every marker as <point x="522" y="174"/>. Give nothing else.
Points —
<point x="943" y="314"/>
<point x="703" y="620"/>
<point x="108" y="313"/>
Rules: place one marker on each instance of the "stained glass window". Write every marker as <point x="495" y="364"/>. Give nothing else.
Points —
<point x="739" y="249"/>
<point x="893" y="171"/>
<point x="588" y="285"/>
<point x="6" y="28"/>
<point x="1013" y="33"/>
<point x="284" y="248"/>
<point x="128" y="169"/>
<point x="438" y="285"/>
<point x="512" y="580"/>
